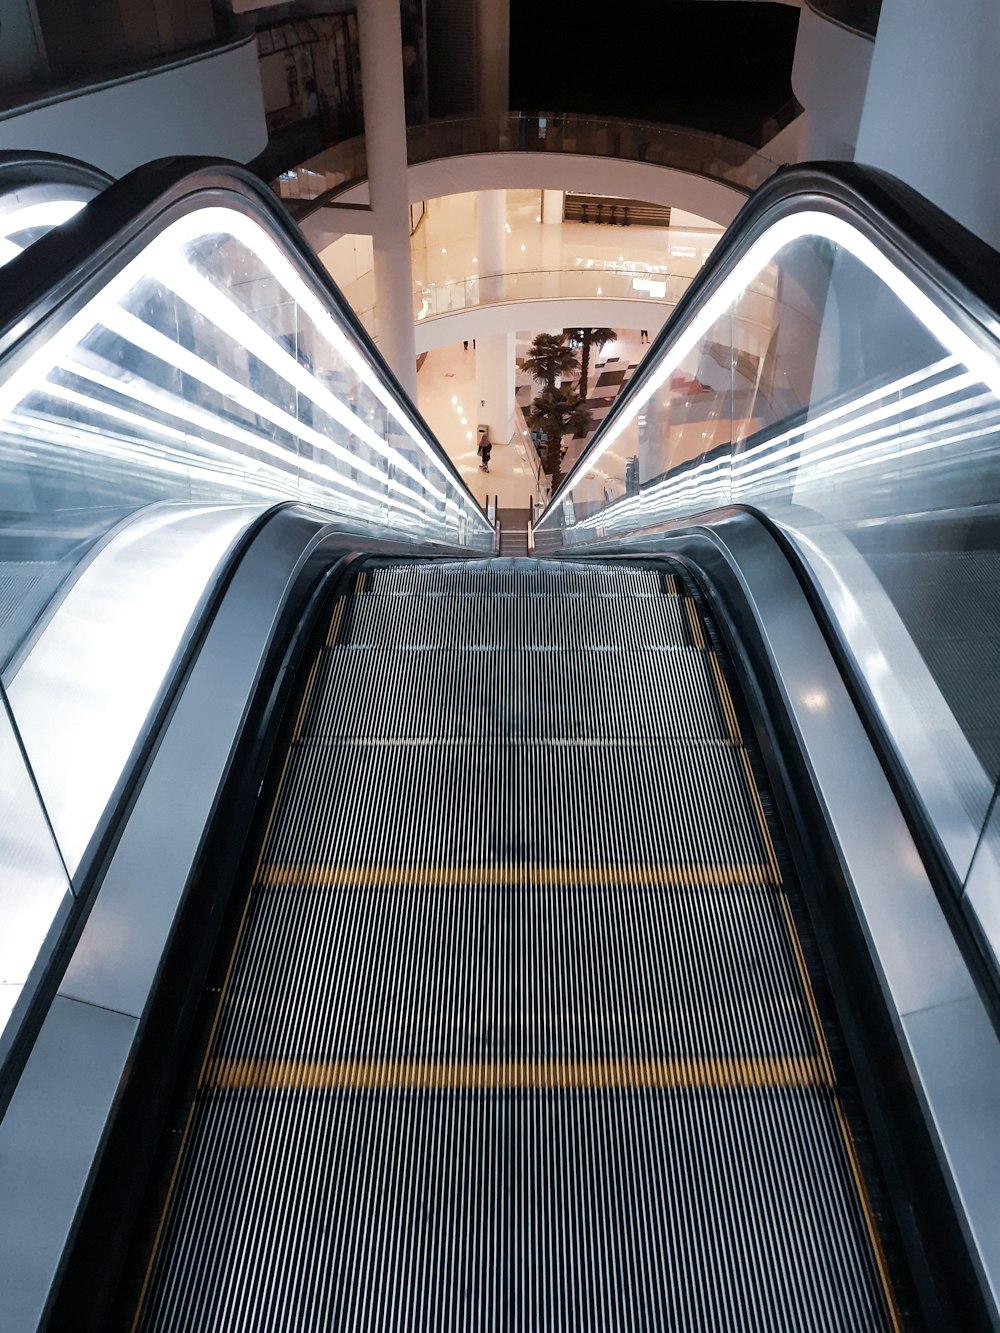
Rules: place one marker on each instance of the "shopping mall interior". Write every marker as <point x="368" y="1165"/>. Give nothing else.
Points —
<point x="499" y="631"/>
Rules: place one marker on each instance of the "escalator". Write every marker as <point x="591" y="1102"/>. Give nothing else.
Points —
<point x="517" y="1030"/>
<point x="411" y="934"/>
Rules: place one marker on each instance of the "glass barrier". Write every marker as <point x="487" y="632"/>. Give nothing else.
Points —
<point x="826" y="383"/>
<point x="207" y="379"/>
<point x="696" y="151"/>
<point x="623" y="282"/>
<point x="206" y="371"/>
<point x="442" y="298"/>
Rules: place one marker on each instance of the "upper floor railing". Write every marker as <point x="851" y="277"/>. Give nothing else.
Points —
<point x="735" y="164"/>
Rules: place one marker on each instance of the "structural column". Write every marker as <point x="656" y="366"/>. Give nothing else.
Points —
<point x="495" y="353"/>
<point x="493" y="68"/>
<point x="495" y="381"/>
<point x="385" y="145"/>
<point x="553" y="207"/>
<point x="491" y="225"/>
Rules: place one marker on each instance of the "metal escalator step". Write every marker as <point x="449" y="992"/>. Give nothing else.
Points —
<point x="517" y="1032"/>
<point x="572" y="973"/>
<point x="460" y="802"/>
<point x="484" y="693"/>
<point x="492" y="621"/>
<point x="694" y="1209"/>
<point x="513" y="577"/>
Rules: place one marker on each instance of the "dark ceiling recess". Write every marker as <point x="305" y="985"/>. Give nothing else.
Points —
<point x="719" y="65"/>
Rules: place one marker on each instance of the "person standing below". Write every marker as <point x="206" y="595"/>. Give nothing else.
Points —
<point x="484" y="451"/>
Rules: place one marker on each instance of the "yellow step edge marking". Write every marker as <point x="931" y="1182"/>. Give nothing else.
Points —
<point x="873" y="1236"/>
<point x="726" y="700"/>
<point x="306" y="696"/>
<point x="670" y="585"/>
<point x="751" y="1071"/>
<point x="694" y="621"/>
<point x="335" y="619"/>
<point x="359" y="583"/>
<point x="772" y="857"/>
<point x="328" y="875"/>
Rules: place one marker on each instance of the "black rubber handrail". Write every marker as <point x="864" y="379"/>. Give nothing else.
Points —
<point x="21" y="169"/>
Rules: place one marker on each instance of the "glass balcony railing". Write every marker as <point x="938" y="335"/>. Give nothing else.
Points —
<point x="613" y="283"/>
<point x="696" y="151"/>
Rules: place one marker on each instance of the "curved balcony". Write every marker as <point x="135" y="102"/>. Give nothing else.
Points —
<point x="713" y="156"/>
<point x="640" y="283"/>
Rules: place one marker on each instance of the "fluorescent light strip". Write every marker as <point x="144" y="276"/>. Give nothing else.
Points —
<point x="229" y="222"/>
<point x="214" y="305"/>
<point x="49" y="213"/>
<point x="807" y="453"/>
<point x="806" y="436"/>
<point x="157" y="344"/>
<point x="235" y="465"/>
<point x="856" y="405"/>
<point x="911" y="444"/>
<point x="146" y="394"/>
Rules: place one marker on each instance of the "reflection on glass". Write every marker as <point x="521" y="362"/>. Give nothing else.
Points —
<point x="207" y="370"/>
<point x="818" y="383"/>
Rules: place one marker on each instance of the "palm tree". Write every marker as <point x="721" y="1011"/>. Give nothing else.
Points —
<point x="555" y="413"/>
<point x="585" y="339"/>
<point x="549" y="357"/>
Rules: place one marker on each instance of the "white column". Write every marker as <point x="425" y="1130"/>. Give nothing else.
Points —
<point x="552" y="257"/>
<point x="932" y="111"/>
<point x="491" y="225"/>
<point x="492" y="67"/>
<point x="553" y="206"/>
<point x="495" y="363"/>
<point x="385" y="143"/>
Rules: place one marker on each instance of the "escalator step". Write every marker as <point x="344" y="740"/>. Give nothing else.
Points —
<point x="492" y="621"/>
<point x="517" y="1032"/>
<point x="482" y="693"/>
<point x="568" y="973"/>
<point x="593" y="803"/>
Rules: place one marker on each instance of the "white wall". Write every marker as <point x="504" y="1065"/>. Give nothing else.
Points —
<point x="211" y="105"/>
<point x="829" y="77"/>
<point x="932" y="113"/>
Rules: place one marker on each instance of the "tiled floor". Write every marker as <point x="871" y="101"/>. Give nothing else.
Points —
<point x="446" y="382"/>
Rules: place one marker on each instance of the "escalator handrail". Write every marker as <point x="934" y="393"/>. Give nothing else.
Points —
<point x="936" y="250"/>
<point x="21" y="168"/>
<point x="44" y="287"/>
